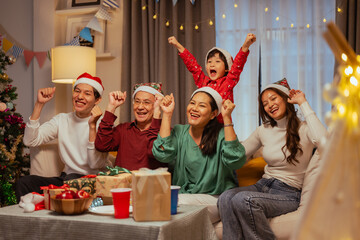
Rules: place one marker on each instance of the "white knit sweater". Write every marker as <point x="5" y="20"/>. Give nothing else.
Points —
<point x="77" y="153"/>
<point x="274" y="138"/>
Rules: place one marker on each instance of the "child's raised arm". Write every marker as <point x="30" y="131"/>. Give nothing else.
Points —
<point x="250" y="39"/>
<point x="172" y="40"/>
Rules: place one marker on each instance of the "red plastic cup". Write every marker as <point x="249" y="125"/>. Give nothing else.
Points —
<point x="121" y="200"/>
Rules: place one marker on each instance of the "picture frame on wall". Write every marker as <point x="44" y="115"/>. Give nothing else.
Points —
<point x="76" y="24"/>
<point x="78" y="3"/>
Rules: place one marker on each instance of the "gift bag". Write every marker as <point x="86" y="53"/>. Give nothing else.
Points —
<point x="151" y="195"/>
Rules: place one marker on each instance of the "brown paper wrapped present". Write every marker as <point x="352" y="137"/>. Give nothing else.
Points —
<point x="103" y="185"/>
<point x="151" y="195"/>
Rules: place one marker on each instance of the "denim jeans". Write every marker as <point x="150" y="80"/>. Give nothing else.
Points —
<point x="244" y="211"/>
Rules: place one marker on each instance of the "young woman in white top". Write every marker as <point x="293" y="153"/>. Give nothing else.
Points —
<point x="288" y="144"/>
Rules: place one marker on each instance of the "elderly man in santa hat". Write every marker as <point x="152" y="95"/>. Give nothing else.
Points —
<point x="133" y="140"/>
<point x="75" y="132"/>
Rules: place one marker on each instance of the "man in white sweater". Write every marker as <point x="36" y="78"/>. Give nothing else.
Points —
<point x="75" y="131"/>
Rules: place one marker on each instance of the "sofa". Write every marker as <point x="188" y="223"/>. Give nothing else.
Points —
<point x="283" y="226"/>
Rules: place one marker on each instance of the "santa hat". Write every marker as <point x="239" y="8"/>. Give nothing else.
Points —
<point x="281" y="85"/>
<point x="152" y="88"/>
<point x="227" y="55"/>
<point x="95" y="82"/>
<point x="215" y="95"/>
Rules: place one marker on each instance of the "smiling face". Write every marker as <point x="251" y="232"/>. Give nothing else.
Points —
<point x="215" y="67"/>
<point x="144" y="108"/>
<point x="199" y="111"/>
<point x="274" y="105"/>
<point x="83" y="100"/>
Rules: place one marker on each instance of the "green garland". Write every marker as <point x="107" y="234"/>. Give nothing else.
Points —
<point x="13" y="162"/>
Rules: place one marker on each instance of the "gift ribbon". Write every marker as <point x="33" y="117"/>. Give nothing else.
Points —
<point x="114" y="171"/>
<point x="51" y="186"/>
<point x="89" y="176"/>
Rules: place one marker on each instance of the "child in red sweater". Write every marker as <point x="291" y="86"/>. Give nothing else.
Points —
<point x="223" y="72"/>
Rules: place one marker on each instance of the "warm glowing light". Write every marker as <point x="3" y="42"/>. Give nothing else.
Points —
<point x="181" y="27"/>
<point x="235" y="5"/>
<point x="358" y="69"/>
<point x="223" y="16"/>
<point x="354" y="81"/>
<point x="196" y="27"/>
<point x="341" y="109"/>
<point x="154" y="17"/>
<point x="143" y="8"/>
<point x="348" y="70"/>
<point x="266" y="9"/>
<point x="277" y="18"/>
<point x="355" y="117"/>
<point x="346" y="92"/>
<point x="292" y="25"/>
<point x="324" y="20"/>
<point x="211" y="23"/>
<point x="167" y="23"/>
<point x="307" y="25"/>
<point x="339" y="9"/>
<point x="344" y="57"/>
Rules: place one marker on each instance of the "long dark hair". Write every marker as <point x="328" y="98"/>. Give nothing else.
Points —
<point x="292" y="128"/>
<point x="211" y="131"/>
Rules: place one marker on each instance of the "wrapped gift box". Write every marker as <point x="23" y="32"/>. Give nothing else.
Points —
<point x="103" y="185"/>
<point x="151" y="195"/>
<point x="50" y="191"/>
<point x="87" y="184"/>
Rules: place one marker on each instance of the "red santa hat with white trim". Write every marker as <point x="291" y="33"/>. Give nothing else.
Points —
<point x="95" y="82"/>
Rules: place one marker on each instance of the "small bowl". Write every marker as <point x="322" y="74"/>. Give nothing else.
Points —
<point x="71" y="206"/>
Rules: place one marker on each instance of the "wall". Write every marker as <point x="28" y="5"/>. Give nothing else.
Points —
<point x="16" y="16"/>
<point x="36" y="27"/>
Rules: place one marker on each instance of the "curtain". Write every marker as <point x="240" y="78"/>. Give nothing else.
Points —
<point x="289" y="44"/>
<point x="348" y="20"/>
<point x="147" y="56"/>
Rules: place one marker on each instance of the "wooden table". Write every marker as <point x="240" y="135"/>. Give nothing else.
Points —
<point x="191" y="222"/>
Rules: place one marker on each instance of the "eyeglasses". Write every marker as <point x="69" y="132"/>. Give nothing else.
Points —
<point x="145" y="103"/>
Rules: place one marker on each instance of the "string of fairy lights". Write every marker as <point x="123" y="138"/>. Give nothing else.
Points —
<point x="210" y="22"/>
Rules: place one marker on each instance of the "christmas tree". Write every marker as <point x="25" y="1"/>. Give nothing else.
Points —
<point x="13" y="162"/>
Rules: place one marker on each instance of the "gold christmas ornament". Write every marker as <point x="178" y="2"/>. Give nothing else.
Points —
<point x="12" y="59"/>
<point x="5" y="76"/>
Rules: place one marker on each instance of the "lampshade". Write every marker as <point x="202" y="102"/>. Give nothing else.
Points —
<point x="68" y="62"/>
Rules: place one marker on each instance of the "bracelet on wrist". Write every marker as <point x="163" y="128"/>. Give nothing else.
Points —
<point x="229" y="125"/>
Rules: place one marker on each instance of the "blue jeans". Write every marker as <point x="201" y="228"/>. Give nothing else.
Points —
<point x="244" y="211"/>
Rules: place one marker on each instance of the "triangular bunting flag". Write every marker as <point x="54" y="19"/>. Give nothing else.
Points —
<point x="6" y="45"/>
<point x="94" y="24"/>
<point x="74" y="42"/>
<point x="85" y="34"/>
<point x="110" y="3"/>
<point x="16" y="51"/>
<point x="28" y="56"/>
<point x="103" y="14"/>
<point x="40" y="56"/>
<point x="174" y="2"/>
<point x="192" y="1"/>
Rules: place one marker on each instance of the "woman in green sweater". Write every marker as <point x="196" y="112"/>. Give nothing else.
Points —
<point x="205" y="152"/>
